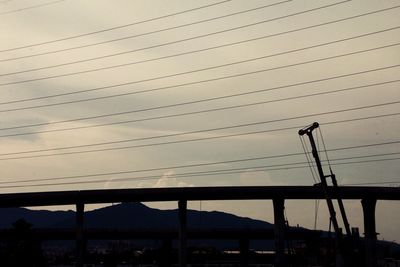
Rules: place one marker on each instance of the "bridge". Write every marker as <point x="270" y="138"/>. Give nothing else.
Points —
<point x="278" y="194"/>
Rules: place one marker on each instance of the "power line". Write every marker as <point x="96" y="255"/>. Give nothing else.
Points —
<point x="195" y="51"/>
<point x="286" y="166"/>
<point x="180" y="85"/>
<point x="192" y="102"/>
<point x="172" y="115"/>
<point x="375" y="183"/>
<point x="362" y="157"/>
<point x="197" y="82"/>
<point x="116" y="27"/>
<point x="29" y="7"/>
<point x="306" y="154"/>
<point x="204" y="164"/>
<point x="205" y="130"/>
<point x="132" y="36"/>
<point x="174" y="86"/>
<point x="150" y="177"/>
<point x="191" y="140"/>
<point x="174" y="42"/>
<point x="154" y="169"/>
<point x="221" y="66"/>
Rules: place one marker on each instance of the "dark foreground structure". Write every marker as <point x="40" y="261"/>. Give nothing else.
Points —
<point x="278" y="195"/>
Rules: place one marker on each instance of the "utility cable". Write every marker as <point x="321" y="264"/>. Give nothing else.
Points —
<point x="177" y="41"/>
<point x="288" y="166"/>
<point x="221" y="171"/>
<point x="374" y="183"/>
<point x="226" y="65"/>
<point x="116" y="27"/>
<point x="155" y="169"/>
<point x="138" y="35"/>
<point x="316" y="213"/>
<point x="306" y="154"/>
<point x="325" y="151"/>
<point x="166" y="116"/>
<point x="195" y="51"/>
<point x="205" y="130"/>
<point x="190" y="140"/>
<point x="30" y="7"/>
<point x="186" y="84"/>
<point x="197" y="165"/>
<point x="208" y="80"/>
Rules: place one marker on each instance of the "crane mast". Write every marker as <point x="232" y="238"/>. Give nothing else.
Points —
<point x="309" y="132"/>
<point x="324" y="185"/>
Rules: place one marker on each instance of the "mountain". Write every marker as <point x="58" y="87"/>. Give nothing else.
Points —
<point x="38" y="218"/>
<point x="129" y="215"/>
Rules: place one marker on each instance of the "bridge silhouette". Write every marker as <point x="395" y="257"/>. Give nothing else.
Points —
<point x="278" y="194"/>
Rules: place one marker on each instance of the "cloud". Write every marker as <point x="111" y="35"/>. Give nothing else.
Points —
<point x="168" y="180"/>
<point x="111" y="184"/>
<point x="257" y="177"/>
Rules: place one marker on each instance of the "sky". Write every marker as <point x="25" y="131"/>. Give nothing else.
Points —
<point x="127" y="94"/>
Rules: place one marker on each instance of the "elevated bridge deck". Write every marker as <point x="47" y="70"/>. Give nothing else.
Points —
<point x="193" y="193"/>
<point x="278" y="195"/>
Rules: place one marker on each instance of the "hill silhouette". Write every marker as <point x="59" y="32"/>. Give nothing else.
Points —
<point x="129" y="215"/>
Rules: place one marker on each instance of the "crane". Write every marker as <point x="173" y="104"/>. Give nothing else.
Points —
<point x="324" y="185"/>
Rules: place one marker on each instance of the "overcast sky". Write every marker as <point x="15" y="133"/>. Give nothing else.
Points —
<point x="176" y="70"/>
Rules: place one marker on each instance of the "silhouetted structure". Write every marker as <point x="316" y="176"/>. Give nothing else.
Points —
<point x="368" y="195"/>
<point x="23" y="247"/>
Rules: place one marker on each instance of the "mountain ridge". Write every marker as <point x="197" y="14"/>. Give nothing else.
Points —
<point x="129" y="215"/>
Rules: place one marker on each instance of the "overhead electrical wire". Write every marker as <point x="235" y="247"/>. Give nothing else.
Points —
<point x="151" y="177"/>
<point x="155" y="169"/>
<point x="373" y="183"/>
<point x="180" y="114"/>
<point x="286" y="166"/>
<point x="115" y="27"/>
<point x="239" y="62"/>
<point x="325" y="150"/>
<point x="184" y="84"/>
<point x="170" y="115"/>
<point x="219" y="128"/>
<point x="143" y="34"/>
<point x="30" y="7"/>
<point x="309" y="162"/>
<point x="225" y="65"/>
<point x="182" y="40"/>
<point x="197" y="165"/>
<point x="197" y="82"/>
<point x="213" y="47"/>
<point x="189" y="140"/>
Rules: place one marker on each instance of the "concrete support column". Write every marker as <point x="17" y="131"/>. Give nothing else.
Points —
<point x="166" y="249"/>
<point x="182" y="204"/>
<point x="279" y="232"/>
<point x="80" y="242"/>
<point x="244" y="245"/>
<point x="370" y="232"/>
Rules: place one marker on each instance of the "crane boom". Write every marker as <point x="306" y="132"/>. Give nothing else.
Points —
<point x="309" y="132"/>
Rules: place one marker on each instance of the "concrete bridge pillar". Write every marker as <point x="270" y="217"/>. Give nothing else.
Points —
<point x="182" y="205"/>
<point x="244" y="245"/>
<point x="80" y="242"/>
<point x="279" y="231"/>
<point x="370" y="232"/>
